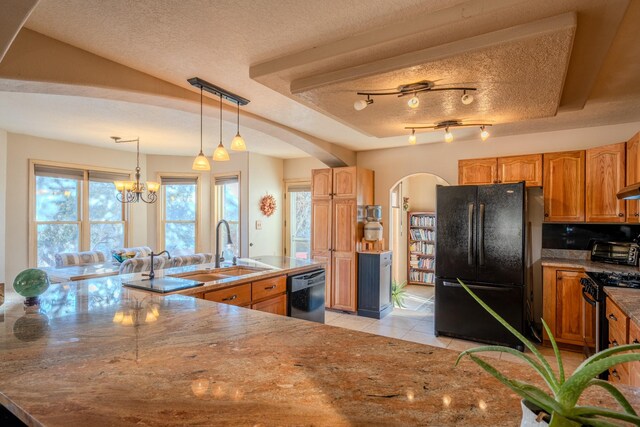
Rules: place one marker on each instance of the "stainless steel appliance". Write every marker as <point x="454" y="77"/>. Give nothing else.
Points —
<point x="615" y="252"/>
<point x="593" y="294"/>
<point x="306" y="296"/>
<point x="480" y="240"/>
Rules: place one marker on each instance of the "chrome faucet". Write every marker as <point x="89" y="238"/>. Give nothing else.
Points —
<point x="151" y="274"/>
<point x="229" y="242"/>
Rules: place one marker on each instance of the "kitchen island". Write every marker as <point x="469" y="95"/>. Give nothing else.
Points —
<point x="102" y="354"/>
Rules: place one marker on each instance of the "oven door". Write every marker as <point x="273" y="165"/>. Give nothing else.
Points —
<point x="590" y="324"/>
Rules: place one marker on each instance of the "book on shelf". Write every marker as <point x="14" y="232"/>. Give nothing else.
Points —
<point x="421" y="276"/>
<point x="423" y="220"/>
<point x="422" y="234"/>
<point x="424" y="248"/>
<point x="424" y="263"/>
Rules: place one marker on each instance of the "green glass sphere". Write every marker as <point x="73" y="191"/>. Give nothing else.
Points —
<point x="31" y="282"/>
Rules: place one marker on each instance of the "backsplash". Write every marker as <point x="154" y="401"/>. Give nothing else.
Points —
<point x="578" y="236"/>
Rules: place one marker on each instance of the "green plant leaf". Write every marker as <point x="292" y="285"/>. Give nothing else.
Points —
<point x="556" y="351"/>
<point x="531" y="393"/>
<point x="615" y="393"/>
<point x="499" y="348"/>
<point x="608" y="352"/>
<point x="571" y="390"/>
<point x="586" y="411"/>
<point x="511" y="329"/>
<point x="594" y="422"/>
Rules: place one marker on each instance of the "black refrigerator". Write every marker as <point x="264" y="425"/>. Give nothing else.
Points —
<point x="480" y="232"/>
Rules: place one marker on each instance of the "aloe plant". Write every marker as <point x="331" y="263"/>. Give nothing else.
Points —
<point x="398" y="293"/>
<point x="561" y="404"/>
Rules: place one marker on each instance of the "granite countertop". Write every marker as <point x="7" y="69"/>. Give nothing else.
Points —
<point x="627" y="299"/>
<point x="187" y="361"/>
<point x="78" y="272"/>
<point x="587" y="265"/>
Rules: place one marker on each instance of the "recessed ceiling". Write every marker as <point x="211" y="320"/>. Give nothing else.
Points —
<point x="92" y="121"/>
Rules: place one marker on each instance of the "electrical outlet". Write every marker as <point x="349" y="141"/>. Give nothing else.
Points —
<point x="258" y="225"/>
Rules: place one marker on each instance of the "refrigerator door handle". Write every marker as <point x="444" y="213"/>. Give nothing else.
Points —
<point x="470" y="208"/>
<point x="481" y="236"/>
<point x="491" y="288"/>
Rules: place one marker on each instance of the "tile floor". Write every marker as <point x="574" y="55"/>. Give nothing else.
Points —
<point x="415" y="323"/>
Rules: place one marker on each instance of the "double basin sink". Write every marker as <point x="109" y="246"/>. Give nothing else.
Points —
<point x="218" y="274"/>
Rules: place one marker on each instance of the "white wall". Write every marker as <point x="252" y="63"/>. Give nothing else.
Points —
<point x="295" y="169"/>
<point x="22" y="148"/>
<point x="3" y="195"/>
<point x="265" y="177"/>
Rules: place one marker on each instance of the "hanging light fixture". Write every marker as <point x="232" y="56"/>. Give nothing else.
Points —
<point x="237" y="144"/>
<point x="484" y="134"/>
<point x="133" y="191"/>
<point x="414" y="101"/>
<point x="412" y="138"/>
<point x="201" y="163"/>
<point x="220" y="155"/>
<point x="448" y="136"/>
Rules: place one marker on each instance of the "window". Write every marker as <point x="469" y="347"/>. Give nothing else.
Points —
<point x="179" y="223"/>
<point x="227" y="207"/>
<point x="298" y="220"/>
<point x="65" y="220"/>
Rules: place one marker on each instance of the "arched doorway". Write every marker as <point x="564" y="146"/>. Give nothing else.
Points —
<point x="414" y="192"/>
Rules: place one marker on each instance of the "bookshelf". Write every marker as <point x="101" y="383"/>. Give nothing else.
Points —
<point x="421" y="259"/>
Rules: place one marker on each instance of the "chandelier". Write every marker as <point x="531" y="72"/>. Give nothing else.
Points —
<point x="133" y="191"/>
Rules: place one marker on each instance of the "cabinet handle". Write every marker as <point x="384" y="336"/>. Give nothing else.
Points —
<point x="636" y="214"/>
<point x="546" y="215"/>
<point x="635" y="341"/>
<point x="614" y="374"/>
<point x="231" y="298"/>
<point x="612" y="317"/>
<point x="268" y="288"/>
<point x="620" y="214"/>
<point x="614" y="343"/>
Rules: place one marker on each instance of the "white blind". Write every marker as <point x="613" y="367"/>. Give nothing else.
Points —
<point x="101" y="176"/>
<point x="179" y="180"/>
<point x="299" y="188"/>
<point x="56" y="172"/>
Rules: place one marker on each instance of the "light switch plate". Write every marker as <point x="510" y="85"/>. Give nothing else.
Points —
<point x="258" y="225"/>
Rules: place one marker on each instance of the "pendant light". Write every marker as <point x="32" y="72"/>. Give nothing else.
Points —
<point x="237" y="144"/>
<point x="201" y="163"/>
<point x="220" y="155"/>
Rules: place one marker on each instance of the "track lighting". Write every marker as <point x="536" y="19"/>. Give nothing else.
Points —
<point x="362" y="103"/>
<point x="466" y="98"/>
<point x="413" y="102"/>
<point x="484" y="134"/>
<point x="412" y="89"/>
<point x="448" y="136"/>
<point x="412" y="137"/>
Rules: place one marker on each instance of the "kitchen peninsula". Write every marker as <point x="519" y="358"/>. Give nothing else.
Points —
<point x="179" y="360"/>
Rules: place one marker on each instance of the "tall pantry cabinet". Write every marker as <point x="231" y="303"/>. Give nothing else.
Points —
<point x="338" y="198"/>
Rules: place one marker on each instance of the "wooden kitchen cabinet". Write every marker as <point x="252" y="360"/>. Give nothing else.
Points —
<point x="633" y="176"/>
<point x="618" y="335"/>
<point x="521" y="168"/>
<point x="235" y="295"/>
<point x="569" y="317"/>
<point x="268" y="295"/>
<point x="277" y="305"/>
<point x="478" y="171"/>
<point x="605" y="172"/>
<point x="564" y="186"/>
<point x="321" y="184"/>
<point x="336" y="229"/>
<point x="267" y="288"/>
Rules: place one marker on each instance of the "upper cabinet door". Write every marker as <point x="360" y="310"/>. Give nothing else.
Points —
<point x="633" y="176"/>
<point x="345" y="182"/>
<point x="521" y="168"/>
<point x="478" y="171"/>
<point x="563" y="186"/>
<point x="605" y="177"/>
<point x="321" y="183"/>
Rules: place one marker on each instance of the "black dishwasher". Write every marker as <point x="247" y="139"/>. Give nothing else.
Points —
<point x="306" y="296"/>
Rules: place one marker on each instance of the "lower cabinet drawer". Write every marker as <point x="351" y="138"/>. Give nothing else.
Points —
<point x="268" y="287"/>
<point x="277" y="305"/>
<point x="236" y="295"/>
<point x="617" y="320"/>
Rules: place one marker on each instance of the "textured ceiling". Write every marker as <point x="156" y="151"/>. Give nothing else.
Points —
<point x="93" y="121"/>
<point x="517" y="80"/>
<point x="221" y="40"/>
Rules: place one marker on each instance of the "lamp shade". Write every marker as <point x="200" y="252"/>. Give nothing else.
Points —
<point x="119" y="185"/>
<point x="237" y="143"/>
<point x="201" y="163"/>
<point x="153" y="187"/>
<point x="221" y="154"/>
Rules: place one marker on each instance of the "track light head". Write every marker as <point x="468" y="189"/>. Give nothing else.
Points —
<point x="466" y="98"/>
<point x="413" y="102"/>
<point x="484" y="134"/>
<point x="448" y="136"/>
<point x="361" y="104"/>
<point x="412" y="137"/>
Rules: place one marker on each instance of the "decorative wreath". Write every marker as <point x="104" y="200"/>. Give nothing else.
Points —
<point x="268" y="205"/>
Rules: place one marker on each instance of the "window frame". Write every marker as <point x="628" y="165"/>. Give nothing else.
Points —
<point x="160" y="208"/>
<point x="286" y="218"/>
<point x="84" y="222"/>
<point x="215" y="207"/>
